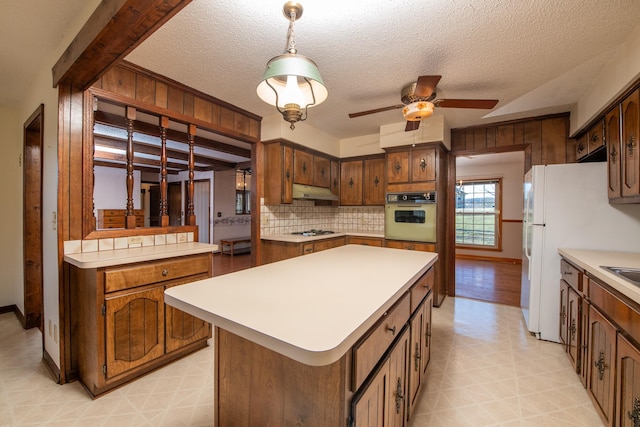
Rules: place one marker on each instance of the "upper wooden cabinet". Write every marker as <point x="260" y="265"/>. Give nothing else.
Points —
<point x="321" y="172"/>
<point x="351" y="183"/>
<point x="612" y="126"/>
<point x="278" y="177"/>
<point x="362" y="182"/>
<point x="286" y="165"/>
<point x="591" y="141"/>
<point x="374" y="182"/>
<point x="302" y="167"/>
<point x="630" y="121"/>
<point x="410" y="168"/>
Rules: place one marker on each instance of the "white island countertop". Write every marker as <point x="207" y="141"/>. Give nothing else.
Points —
<point x="592" y="261"/>
<point x="311" y="308"/>
<point x="145" y="253"/>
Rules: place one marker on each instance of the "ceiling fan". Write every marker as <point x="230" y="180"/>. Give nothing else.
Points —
<point x="419" y="99"/>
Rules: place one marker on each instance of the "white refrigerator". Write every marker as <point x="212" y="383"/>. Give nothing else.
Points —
<point x="566" y="206"/>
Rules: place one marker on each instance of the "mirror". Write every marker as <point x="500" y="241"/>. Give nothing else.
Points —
<point x="115" y="127"/>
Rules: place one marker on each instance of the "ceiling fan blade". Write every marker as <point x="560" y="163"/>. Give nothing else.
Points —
<point x="466" y="103"/>
<point x="377" y="110"/>
<point x="412" y="125"/>
<point x="426" y="85"/>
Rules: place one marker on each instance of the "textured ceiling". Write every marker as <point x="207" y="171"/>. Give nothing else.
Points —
<point x="536" y="57"/>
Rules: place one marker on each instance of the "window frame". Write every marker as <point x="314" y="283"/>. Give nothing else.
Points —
<point x="497" y="214"/>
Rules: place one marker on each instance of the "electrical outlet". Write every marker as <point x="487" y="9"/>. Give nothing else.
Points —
<point x="50" y="328"/>
<point x="182" y="238"/>
<point x="55" y="334"/>
<point x="135" y="240"/>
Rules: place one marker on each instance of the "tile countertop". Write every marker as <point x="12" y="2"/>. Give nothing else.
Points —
<point x="145" y="253"/>
<point x="297" y="238"/>
<point x="592" y="262"/>
<point x="311" y="308"/>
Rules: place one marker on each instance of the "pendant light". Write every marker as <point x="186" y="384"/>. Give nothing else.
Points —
<point x="292" y="82"/>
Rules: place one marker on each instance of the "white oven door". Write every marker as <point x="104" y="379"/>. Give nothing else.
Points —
<point x="410" y="222"/>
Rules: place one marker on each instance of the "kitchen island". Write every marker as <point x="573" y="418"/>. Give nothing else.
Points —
<point x="297" y="341"/>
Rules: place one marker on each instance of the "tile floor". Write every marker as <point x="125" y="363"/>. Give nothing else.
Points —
<point x="485" y="371"/>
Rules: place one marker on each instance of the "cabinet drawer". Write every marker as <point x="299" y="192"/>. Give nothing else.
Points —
<point x="411" y="246"/>
<point x="372" y="347"/>
<point x="366" y="241"/>
<point x="421" y="288"/>
<point x="571" y="275"/>
<point x="119" y="278"/>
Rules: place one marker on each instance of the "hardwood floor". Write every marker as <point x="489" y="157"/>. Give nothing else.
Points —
<point x="223" y="264"/>
<point x="492" y="281"/>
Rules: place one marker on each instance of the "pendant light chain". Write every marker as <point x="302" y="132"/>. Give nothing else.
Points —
<point x="291" y="41"/>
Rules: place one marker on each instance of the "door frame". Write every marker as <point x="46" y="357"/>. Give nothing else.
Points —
<point x="32" y="155"/>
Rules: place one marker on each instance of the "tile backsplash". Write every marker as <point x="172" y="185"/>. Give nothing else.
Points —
<point x="96" y="245"/>
<point x="304" y="215"/>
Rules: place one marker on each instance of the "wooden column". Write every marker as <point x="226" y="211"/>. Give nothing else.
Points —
<point x="164" y="212"/>
<point x="190" y="217"/>
<point x="130" y="218"/>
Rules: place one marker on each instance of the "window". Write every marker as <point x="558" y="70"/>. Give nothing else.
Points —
<point x="478" y="218"/>
<point x="243" y="195"/>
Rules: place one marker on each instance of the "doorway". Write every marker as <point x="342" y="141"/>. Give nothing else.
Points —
<point x="488" y="269"/>
<point x="33" y="135"/>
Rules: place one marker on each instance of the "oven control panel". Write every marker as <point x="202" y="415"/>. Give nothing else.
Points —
<point x="428" y="197"/>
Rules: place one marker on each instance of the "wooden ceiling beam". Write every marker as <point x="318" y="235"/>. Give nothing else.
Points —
<point x="114" y="29"/>
<point x="139" y="147"/>
<point x="111" y="119"/>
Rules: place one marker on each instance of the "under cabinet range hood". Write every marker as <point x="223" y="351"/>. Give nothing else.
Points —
<point x="309" y="192"/>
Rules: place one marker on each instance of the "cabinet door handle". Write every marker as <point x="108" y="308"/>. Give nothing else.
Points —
<point x="573" y="329"/>
<point x="399" y="395"/>
<point x="631" y="145"/>
<point x="165" y="272"/>
<point x="423" y="164"/>
<point x="376" y="181"/>
<point x="417" y="357"/>
<point x="392" y="330"/>
<point x="634" y="415"/>
<point x="398" y="167"/>
<point x="600" y="365"/>
<point x="351" y="182"/>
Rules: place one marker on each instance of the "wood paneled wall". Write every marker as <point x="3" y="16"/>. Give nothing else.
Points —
<point x="544" y="140"/>
<point x="157" y="94"/>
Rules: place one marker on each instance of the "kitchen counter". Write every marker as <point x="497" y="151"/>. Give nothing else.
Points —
<point x="592" y="260"/>
<point x="296" y="238"/>
<point x="311" y="309"/>
<point x="145" y="253"/>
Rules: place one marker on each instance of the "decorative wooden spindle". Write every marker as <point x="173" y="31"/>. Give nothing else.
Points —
<point x="164" y="211"/>
<point x="130" y="218"/>
<point x="191" y="218"/>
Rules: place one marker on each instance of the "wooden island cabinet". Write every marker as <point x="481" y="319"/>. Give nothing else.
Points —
<point x="121" y="326"/>
<point x="361" y="366"/>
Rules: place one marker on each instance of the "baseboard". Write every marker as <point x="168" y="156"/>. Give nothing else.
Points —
<point x="9" y="309"/>
<point x="51" y="366"/>
<point x="488" y="258"/>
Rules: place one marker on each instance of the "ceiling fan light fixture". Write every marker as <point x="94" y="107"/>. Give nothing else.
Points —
<point x="292" y="82"/>
<point x="417" y="111"/>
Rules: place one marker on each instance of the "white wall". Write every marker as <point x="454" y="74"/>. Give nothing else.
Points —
<point x="512" y="175"/>
<point x="228" y="224"/>
<point x="614" y="79"/>
<point x="42" y="92"/>
<point x="110" y="188"/>
<point x="11" y="279"/>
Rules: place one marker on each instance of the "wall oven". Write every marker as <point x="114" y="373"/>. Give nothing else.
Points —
<point x="410" y="216"/>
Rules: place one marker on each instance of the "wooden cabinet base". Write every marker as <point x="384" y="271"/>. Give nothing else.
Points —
<point x="256" y="386"/>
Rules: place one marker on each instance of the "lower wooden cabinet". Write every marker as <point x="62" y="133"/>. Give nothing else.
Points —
<point x="419" y="350"/>
<point x="276" y="250"/>
<point x="121" y="327"/>
<point x="602" y="347"/>
<point x="366" y="241"/>
<point x="370" y="407"/>
<point x="628" y="384"/>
